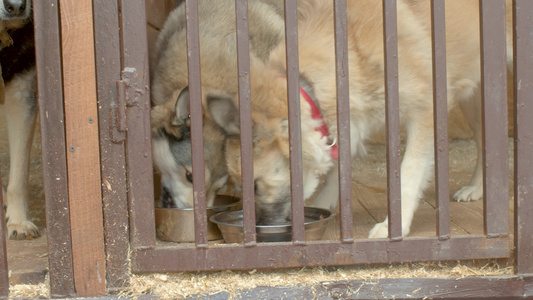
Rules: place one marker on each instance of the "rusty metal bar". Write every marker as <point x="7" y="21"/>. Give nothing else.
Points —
<point x="320" y="253"/>
<point x="4" y="270"/>
<point x="440" y="111"/>
<point x="343" y="121"/>
<point x="494" y="115"/>
<point x="523" y="136"/>
<point x="113" y="171"/>
<point x="50" y="87"/>
<point x="138" y="144"/>
<point x="197" y="142"/>
<point x="245" y="117"/>
<point x="293" y="95"/>
<point x="390" y="35"/>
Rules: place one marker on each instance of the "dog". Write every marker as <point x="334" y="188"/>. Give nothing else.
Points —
<point x="171" y="141"/>
<point x="367" y="101"/>
<point x="17" y="59"/>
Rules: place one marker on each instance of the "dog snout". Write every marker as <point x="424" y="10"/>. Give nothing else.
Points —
<point x="15" y="8"/>
<point x="271" y="214"/>
<point x="166" y="198"/>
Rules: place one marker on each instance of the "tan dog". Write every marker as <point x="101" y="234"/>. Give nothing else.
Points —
<point x="367" y="100"/>
<point x="171" y="141"/>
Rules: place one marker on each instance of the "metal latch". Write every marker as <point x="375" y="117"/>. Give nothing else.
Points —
<point x="129" y="89"/>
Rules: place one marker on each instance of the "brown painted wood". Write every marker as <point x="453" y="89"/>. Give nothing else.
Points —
<point x="113" y="163"/>
<point x="390" y="35"/>
<point x="50" y="88"/>
<point x="4" y="270"/>
<point x="138" y="143"/>
<point x="295" y="141"/>
<point x="523" y="164"/>
<point x="440" y="108"/>
<point x="343" y="121"/>
<point x="494" y="113"/>
<point x="83" y="161"/>
<point x="245" y="119"/>
<point x="197" y="141"/>
<point x="333" y="253"/>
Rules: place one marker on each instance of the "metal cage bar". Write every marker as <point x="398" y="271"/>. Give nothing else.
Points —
<point x="343" y="122"/>
<point x="440" y="108"/>
<point x="390" y="35"/>
<point x="197" y="142"/>
<point x="295" y="135"/>
<point x="245" y="118"/>
<point x="494" y="108"/>
<point x="523" y="137"/>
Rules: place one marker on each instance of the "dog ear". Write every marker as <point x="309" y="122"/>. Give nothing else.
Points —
<point x="182" y="109"/>
<point x="225" y="113"/>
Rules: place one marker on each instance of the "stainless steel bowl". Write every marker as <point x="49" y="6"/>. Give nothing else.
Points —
<point x="230" y="224"/>
<point x="177" y="225"/>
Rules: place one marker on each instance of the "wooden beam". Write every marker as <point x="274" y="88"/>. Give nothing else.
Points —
<point x="83" y="161"/>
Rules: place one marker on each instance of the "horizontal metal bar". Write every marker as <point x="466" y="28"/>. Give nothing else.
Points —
<point x="288" y="255"/>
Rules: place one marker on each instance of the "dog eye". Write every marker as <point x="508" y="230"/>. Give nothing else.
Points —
<point x="188" y="176"/>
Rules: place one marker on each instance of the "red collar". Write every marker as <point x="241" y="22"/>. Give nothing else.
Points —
<point x="316" y="115"/>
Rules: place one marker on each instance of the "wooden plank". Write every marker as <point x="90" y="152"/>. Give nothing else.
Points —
<point x="504" y="287"/>
<point x="50" y="91"/>
<point x="114" y="188"/>
<point x="83" y="161"/>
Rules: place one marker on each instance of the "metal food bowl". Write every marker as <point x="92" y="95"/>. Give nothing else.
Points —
<point x="177" y="224"/>
<point x="230" y="224"/>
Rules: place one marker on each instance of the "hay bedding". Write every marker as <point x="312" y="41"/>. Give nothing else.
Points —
<point x="182" y="285"/>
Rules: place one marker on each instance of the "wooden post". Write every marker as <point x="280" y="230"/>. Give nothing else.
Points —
<point x="83" y="161"/>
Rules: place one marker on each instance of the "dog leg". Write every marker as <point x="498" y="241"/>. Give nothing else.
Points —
<point x="416" y="169"/>
<point x="328" y="196"/>
<point x="21" y="112"/>
<point x="474" y="190"/>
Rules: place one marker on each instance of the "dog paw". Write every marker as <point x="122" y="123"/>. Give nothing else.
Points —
<point x="469" y="193"/>
<point x="22" y="231"/>
<point x="380" y="231"/>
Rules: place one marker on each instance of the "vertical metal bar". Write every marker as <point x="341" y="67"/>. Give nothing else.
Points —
<point x="245" y="117"/>
<point x="494" y="115"/>
<point x="293" y="95"/>
<point x="197" y="142"/>
<point x="523" y="136"/>
<point x="343" y="121"/>
<point x="50" y="87"/>
<point x="113" y="171"/>
<point x="4" y="270"/>
<point x="392" y="97"/>
<point x="138" y="142"/>
<point x="440" y="110"/>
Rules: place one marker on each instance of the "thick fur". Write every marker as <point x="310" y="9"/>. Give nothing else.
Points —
<point x="367" y="100"/>
<point x="171" y="140"/>
<point x="17" y="58"/>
